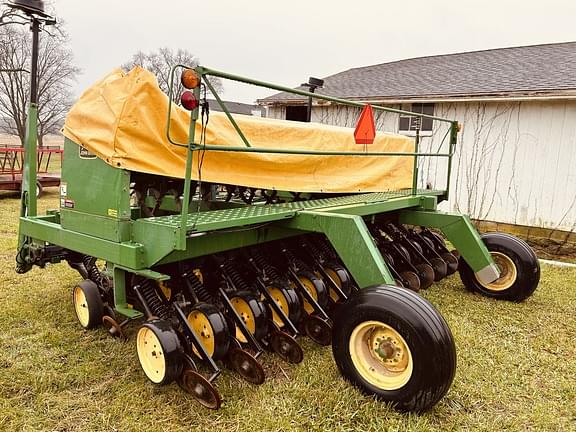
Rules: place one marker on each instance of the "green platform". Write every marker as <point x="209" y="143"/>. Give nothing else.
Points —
<point x="256" y="214"/>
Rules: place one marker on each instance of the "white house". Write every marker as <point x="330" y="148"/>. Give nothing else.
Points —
<point x="516" y="155"/>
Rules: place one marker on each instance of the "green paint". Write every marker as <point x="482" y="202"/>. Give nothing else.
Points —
<point x="28" y="200"/>
<point x="458" y="230"/>
<point x="352" y="241"/>
<point x="120" y="304"/>
<point x="128" y="254"/>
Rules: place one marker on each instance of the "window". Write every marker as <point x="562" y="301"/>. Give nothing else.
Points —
<point x="410" y="123"/>
<point x="297" y="113"/>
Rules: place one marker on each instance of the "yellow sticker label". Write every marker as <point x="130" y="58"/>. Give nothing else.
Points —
<point x="112" y="212"/>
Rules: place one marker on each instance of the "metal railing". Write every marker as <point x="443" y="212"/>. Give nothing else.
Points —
<point x="192" y="146"/>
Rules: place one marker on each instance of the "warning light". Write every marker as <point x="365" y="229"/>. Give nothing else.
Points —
<point x="188" y="100"/>
<point x="190" y="79"/>
<point x="365" y="131"/>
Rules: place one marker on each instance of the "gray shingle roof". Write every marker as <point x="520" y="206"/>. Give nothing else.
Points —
<point x="523" y="70"/>
<point x="234" y="107"/>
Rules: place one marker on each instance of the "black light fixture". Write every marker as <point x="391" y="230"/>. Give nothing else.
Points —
<point x="36" y="15"/>
<point x="29" y="7"/>
<point x="29" y="12"/>
<point x="312" y="84"/>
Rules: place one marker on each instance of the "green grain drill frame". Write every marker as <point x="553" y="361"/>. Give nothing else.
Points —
<point x="96" y="219"/>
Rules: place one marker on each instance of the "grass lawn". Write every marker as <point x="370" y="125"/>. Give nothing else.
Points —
<point x="516" y="366"/>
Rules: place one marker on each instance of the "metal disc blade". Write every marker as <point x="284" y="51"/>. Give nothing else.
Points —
<point x="246" y="366"/>
<point x="319" y="330"/>
<point x="286" y="347"/>
<point x="113" y="327"/>
<point x="200" y="388"/>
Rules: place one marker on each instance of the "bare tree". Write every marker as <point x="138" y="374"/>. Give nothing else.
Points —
<point x="160" y="63"/>
<point x="56" y="76"/>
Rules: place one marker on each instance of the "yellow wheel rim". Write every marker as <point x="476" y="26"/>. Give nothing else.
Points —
<point x="334" y="276"/>
<point x="243" y="309"/>
<point x="380" y="355"/>
<point x="508" y="273"/>
<point x="151" y="355"/>
<point x="309" y="285"/>
<point x="203" y="329"/>
<point x="81" y="306"/>
<point x="281" y="301"/>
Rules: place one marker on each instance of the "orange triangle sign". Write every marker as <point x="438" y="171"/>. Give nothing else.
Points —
<point x="365" y="131"/>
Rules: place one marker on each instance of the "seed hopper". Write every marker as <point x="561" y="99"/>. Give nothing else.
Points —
<point x="211" y="258"/>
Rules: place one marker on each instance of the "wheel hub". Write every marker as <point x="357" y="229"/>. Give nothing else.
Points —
<point x="385" y="349"/>
<point x="381" y="355"/>
<point x="508" y="272"/>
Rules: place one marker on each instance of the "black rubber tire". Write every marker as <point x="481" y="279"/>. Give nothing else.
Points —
<point x="295" y="307"/>
<point x="440" y="268"/>
<point x="171" y="349"/>
<point x="422" y="327"/>
<point x="343" y="276"/>
<point x="39" y="189"/>
<point x="219" y="328"/>
<point x="319" y="286"/>
<point x="93" y="303"/>
<point x="523" y="257"/>
<point x="258" y="310"/>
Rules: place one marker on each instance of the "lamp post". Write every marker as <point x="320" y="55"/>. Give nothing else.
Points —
<point x="30" y="11"/>
<point x="312" y="84"/>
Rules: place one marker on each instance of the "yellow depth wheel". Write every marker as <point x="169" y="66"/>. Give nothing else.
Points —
<point x="87" y="304"/>
<point x="334" y="276"/>
<point x="81" y="306"/>
<point x="151" y="355"/>
<point x="210" y="326"/>
<point x="282" y="303"/>
<point x="380" y="355"/>
<point x="243" y="309"/>
<point x="508" y="273"/>
<point x="202" y="327"/>
<point x="311" y="288"/>
<point x="159" y="351"/>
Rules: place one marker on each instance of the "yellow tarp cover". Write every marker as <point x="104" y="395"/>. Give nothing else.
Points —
<point x="122" y="119"/>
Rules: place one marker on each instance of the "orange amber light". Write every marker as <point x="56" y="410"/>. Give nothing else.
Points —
<point x="190" y="79"/>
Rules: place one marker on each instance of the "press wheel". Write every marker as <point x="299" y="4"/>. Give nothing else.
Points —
<point x="288" y="301"/>
<point x="403" y="252"/>
<point x="411" y="280"/>
<point x="340" y="277"/>
<point x="316" y="288"/>
<point x="440" y="268"/>
<point x="252" y="312"/>
<point x="451" y="262"/>
<point x="246" y="366"/>
<point x="426" y="275"/>
<point x="159" y="351"/>
<point x="87" y="304"/>
<point x="211" y="327"/>
<point x="286" y="347"/>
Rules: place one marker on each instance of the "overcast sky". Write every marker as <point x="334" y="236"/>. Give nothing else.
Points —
<point x="287" y="41"/>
